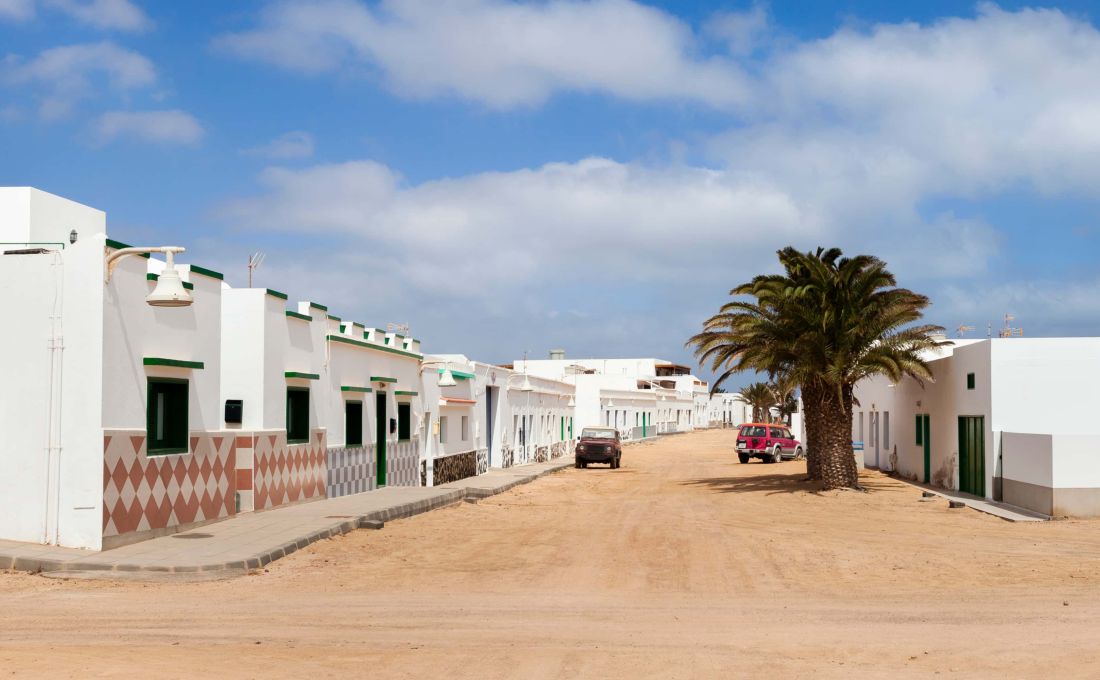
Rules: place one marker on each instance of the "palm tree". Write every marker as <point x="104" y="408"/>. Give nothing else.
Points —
<point x="783" y="389"/>
<point x="759" y="397"/>
<point x="827" y="322"/>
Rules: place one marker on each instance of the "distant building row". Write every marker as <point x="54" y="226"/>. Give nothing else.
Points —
<point x="122" y="420"/>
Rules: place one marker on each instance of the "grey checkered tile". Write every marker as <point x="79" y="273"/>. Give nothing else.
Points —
<point x="350" y="470"/>
<point x="403" y="463"/>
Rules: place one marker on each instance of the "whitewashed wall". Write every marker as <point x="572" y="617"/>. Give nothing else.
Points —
<point x="67" y="510"/>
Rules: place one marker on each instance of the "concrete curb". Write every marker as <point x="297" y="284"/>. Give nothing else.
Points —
<point x="373" y="520"/>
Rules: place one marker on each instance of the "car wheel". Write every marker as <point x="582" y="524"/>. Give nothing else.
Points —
<point x="577" y="464"/>
<point x="799" y="454"/>
<point x="777" y="455"/>
<point x="743" y="457"/>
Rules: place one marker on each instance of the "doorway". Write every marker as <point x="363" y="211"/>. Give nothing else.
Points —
<point x="972" y="455"/>
<point x="380" y="432"/>
<point x="927" y="432"/>
<point x="489" y="420"/>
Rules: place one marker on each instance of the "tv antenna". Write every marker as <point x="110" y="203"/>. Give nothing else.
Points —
<point x="254" y="262"/>
<point x="961" y="330"/>
<point x="1010" y="331"/>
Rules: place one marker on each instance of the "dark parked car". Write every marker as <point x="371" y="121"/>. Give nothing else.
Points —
<point x="598" y="445"/>
<point x="769" y="442"/>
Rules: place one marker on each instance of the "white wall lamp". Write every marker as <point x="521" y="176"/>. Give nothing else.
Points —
<point x="572" y="401"/>
<point x="446" y="378"/>
<point x="169" y="291"/>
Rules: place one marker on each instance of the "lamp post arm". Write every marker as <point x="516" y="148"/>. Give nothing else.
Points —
<point x="113" y="258"/>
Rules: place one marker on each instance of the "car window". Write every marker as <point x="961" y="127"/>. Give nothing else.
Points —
<point x="754" y="431"/>
<point x="782" y="433"/>
<point x="599" y="434"/>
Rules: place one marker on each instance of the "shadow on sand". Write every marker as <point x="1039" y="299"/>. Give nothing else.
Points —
<point x="769" y="484"/>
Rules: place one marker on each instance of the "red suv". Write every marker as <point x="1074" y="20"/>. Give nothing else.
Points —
<point x="767" y="441"/>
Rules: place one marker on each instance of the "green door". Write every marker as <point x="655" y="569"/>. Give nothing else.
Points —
<point x="972" y="455"/>
<point x="380" y="431"/>
<point x="927" y="438"/>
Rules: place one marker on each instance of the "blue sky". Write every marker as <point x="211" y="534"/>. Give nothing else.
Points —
<point x="589" y="175"/>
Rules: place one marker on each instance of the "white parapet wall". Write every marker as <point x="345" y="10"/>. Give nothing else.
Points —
<point x="1054" y="474"/>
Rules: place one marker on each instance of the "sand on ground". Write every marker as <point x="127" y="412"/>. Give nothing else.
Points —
<point x="682" y="564"/>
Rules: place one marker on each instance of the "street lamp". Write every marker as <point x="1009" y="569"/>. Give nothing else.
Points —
<point x="169" y="291"/>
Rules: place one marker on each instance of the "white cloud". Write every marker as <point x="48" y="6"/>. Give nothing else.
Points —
<point x="500" y="54"/>
<point x="120" y="15"/>
<point x="528" y="225"/>
<point x="295" y="144"/>
<point x="66" y="75"/>
<point x="16" y="10"/>
<point x="161" y="127"/>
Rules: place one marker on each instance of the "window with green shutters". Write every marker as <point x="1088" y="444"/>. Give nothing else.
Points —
<point x="166" y="416"/>
<point x="920" y="431"/>
<point x="353" y="423"/>
<point x="969" y="381"/>
<point x="297" y="415"/>
<point x="404" y="422"/>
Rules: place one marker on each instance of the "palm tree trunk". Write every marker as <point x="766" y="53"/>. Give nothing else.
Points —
<point x="838" y="465"/>
<point x="811" y="416"/>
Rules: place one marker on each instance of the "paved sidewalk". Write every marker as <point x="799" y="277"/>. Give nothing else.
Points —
<point x="1002" y="510"/>
<point x="252" y="540"/>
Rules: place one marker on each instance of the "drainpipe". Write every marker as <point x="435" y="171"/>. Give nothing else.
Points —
<point x="56" y="346"/>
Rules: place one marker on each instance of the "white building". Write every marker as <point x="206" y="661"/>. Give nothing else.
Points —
<point x="1005" y="419"/>
<point x="639" y="397"/>
<point x="111" y="413"/>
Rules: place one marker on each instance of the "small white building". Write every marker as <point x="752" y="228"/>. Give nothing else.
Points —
<point x="1005" y="419"/>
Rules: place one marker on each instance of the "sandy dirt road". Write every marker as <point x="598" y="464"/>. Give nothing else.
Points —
<point x="682" y="564"/>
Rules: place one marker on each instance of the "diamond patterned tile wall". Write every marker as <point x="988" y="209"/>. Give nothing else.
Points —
<point x="146" y="493"/>
<point x="482" y="461"/>
<point x="287" y="473"/>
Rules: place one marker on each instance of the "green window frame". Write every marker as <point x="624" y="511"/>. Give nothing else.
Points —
<point x="969" y="381"/>
<point x="166" y="416"/>
<point x="297" y="415"/>
<point x="404" y="421"/>
<point x="920" y="430"/>
<point x="353" y="423"/>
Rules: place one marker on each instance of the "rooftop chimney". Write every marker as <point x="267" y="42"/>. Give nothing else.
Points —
<point x="557" y="354"/>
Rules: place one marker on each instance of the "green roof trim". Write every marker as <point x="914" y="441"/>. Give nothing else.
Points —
<point x="459" y="375"/>
<point x="318" y="306"/>
<point x="207" y="272"/>
<point x="351" y="388"/>
<point x="380" y="378"/>
<point x="275" y="293"/>
<point x="334" y="317"/>
<point x="153" y="277"/>
<point x="299" y="374"/>
<point x="296" y="315"/>
<point x="119" y="245"/>
<point x="371" y="345"/>
<point x="405" y="393"/>
<point x="172" y="363"/>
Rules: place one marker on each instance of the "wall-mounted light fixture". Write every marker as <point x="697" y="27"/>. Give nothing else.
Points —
<point x="169" y="291"/>
<point x="72" y="237"/>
